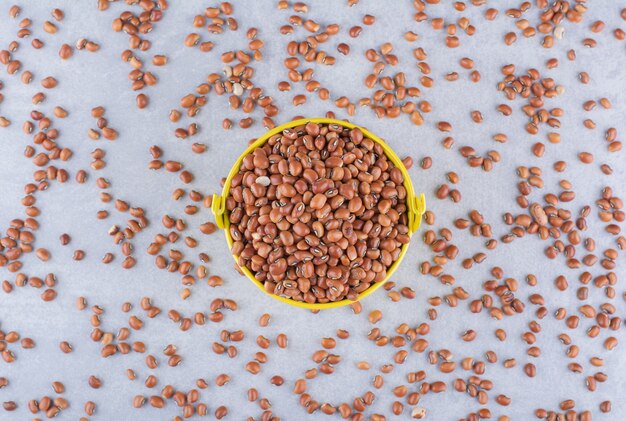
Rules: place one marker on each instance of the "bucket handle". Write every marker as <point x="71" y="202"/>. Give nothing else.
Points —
<point x="218" y="207"/>
<point x="418" y="207"/>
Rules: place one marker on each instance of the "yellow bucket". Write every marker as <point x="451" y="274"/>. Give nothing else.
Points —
<point x="416" y="205"/>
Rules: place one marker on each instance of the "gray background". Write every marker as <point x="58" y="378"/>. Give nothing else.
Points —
<point x="88" y="80"/>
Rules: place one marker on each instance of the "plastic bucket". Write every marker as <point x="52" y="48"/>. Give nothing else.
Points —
<point x="416" y="205"/>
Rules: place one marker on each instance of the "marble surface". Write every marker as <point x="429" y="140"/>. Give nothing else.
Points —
<point x="91" y="79"/>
